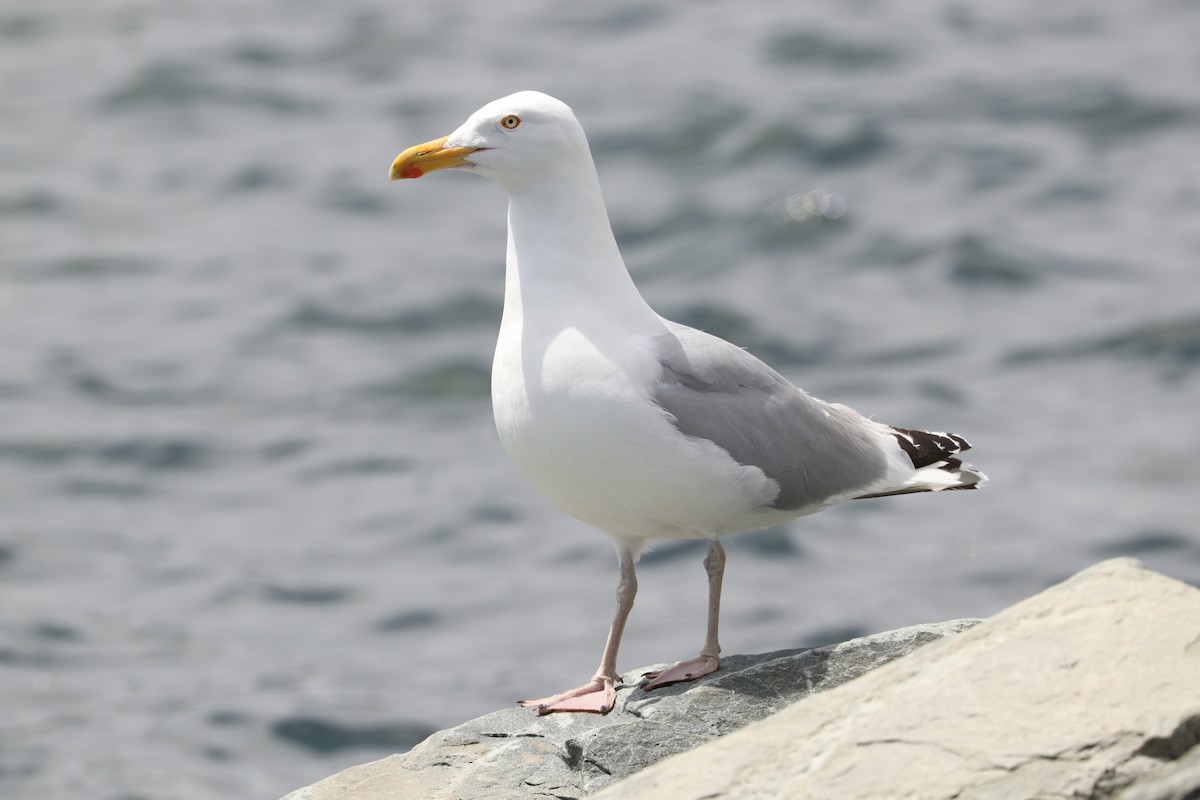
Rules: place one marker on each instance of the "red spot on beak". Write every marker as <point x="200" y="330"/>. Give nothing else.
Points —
<point x="412" y="171"/>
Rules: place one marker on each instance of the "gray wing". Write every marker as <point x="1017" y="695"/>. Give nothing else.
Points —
<point x="719" y="392"/>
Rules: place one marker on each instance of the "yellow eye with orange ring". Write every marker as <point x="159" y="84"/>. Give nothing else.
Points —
<point x="511" y="121"/>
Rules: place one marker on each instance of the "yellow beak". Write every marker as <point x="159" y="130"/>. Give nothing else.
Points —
<point x="419" y="159"/>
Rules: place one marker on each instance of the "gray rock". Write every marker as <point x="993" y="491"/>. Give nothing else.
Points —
<point x="1090" y="689"/>
<point x="516" y="754"/>
<point x="1179" y="780"/>
<point x="1086" y="690"/>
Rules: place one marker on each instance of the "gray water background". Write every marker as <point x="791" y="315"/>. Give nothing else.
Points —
<point x="255" y="523"/>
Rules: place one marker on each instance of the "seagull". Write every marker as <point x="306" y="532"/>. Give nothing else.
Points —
<point x="641" y="427"/>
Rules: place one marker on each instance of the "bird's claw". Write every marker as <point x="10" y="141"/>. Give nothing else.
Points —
<point x="682" y="672"/>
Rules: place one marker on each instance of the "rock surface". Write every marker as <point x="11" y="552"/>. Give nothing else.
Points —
<point x="1084" y="691"/>
<point x="516" y="754"/>
<point x="1090" y="689"/>
<point x="1176" y="781"/>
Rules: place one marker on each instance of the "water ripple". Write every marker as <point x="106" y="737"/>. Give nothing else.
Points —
<point x="149" y="453"/>
<point x="459" y="311"/>
<point x="816" y="48"/>
<point x="463" y="378"/>
<point x="87" y="267"/>
<point x="1101" y="110"/>
<point x="322" y="736"/>
<point x="408" y="620"/>
<point x="308" y="595"/>
<point x="357" y="468"/>
<point x="32" y="203"/>
<point x="1175" y="341"/>
<point x="979" y="260"/>
<point x="176" y="85"/>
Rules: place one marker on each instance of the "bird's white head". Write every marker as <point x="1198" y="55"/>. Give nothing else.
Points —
<point x="515" y="140"/>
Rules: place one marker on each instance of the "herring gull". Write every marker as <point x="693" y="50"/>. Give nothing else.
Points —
<point x="639" y="426"/>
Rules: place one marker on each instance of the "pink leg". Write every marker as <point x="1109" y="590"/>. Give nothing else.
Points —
<point x="709" y="658"/>
<point x="599" y="694"/>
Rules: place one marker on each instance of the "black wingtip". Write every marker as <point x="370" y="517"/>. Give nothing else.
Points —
<point x="925" y="448"/>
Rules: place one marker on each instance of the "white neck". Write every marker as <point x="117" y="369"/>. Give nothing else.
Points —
<point x="562" y="253"/>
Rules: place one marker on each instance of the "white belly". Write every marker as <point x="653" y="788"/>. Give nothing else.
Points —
<point x="580" y="424"/>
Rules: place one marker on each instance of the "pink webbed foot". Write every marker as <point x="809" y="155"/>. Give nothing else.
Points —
<point x="597" y="697"/>
<point x="682" y="672"/>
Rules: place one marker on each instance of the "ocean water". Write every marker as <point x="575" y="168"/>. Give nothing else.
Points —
<point x="255" y="523"/>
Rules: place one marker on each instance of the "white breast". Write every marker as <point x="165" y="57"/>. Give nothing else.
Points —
<point x="573" y="412"/>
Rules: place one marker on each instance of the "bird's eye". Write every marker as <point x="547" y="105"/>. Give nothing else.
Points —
<point x="511" y="121"/>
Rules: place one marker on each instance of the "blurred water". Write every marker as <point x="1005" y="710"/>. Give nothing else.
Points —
<point x="255" y="524"/>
